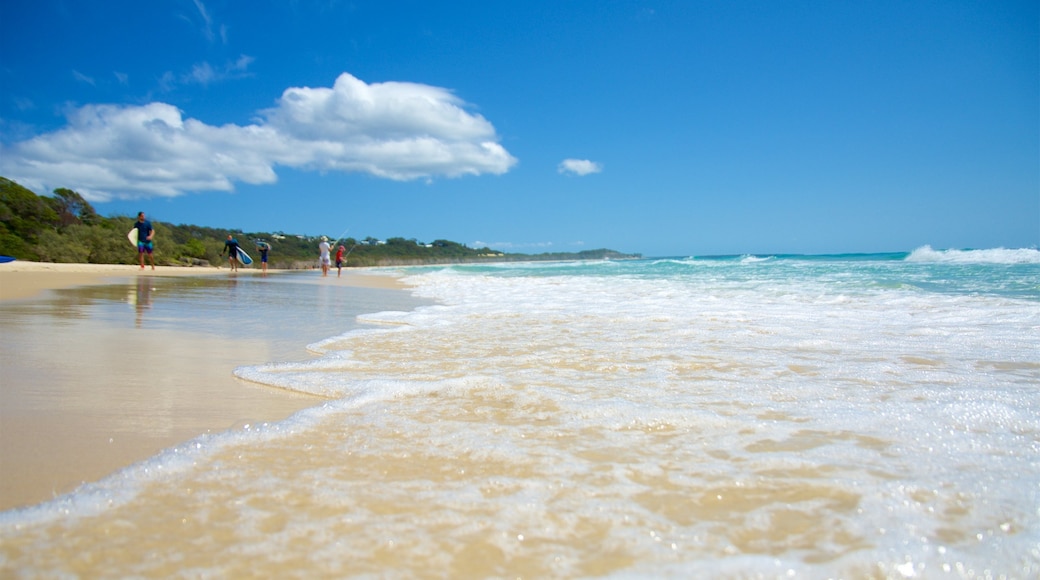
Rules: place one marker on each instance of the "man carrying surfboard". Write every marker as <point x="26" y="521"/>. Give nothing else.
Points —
<point x="231" y="247"/>
<point x="144" y="239"/>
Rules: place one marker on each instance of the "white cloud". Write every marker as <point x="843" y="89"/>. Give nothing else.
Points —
<point x="83" y="78"/>
<point x="202" y="74"/>
<point x="400" y="131"/>
<point x="579" y="166"/>
<point x="205" y="74"/>
<point x="207" y="29"/>
<point x="395" y="130"/>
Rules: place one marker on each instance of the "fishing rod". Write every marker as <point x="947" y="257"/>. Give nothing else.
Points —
<point x="340" y="237"/>
<point x="337" y="241"/>
<point x="348" y="253"/>
<point x="345" y="256"/>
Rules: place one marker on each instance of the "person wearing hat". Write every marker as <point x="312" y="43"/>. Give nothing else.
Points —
<point x="323" y="257"/>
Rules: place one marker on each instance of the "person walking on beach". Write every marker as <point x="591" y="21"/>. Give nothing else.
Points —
<point x="339" y="261"/>
<point x="263" y="247"/>
<point x="231" y="247"/>
<point x="145" y="245"/>
<point x="323" y="256"/>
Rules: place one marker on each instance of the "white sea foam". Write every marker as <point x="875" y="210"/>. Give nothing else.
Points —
<point x="990" y="256"/>
<point x="736" y="419"/>
<point x="748" y="259"/>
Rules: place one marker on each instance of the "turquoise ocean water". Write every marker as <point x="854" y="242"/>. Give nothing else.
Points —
<point x="872" y="415"/>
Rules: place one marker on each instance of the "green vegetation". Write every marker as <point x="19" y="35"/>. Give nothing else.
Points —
<point x="65" y="228"/>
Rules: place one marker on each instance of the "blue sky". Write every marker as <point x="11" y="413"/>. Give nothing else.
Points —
<point x="672" y="127"/>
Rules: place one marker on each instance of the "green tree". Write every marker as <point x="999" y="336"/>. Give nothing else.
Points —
<point x="23" y="216"/>
<point x="72" y="208"/>
<point x="108" y="244"/>
<point x="54" y="247"/>
<point x="194" y="248"/>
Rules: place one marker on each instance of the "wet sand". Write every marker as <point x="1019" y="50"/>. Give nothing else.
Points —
<point x="19" y="279"/>
<point x="80" y="399"/>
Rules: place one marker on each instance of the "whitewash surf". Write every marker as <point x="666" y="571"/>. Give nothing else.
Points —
<point x="865" y="415"/>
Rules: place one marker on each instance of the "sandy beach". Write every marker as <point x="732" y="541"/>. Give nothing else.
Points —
<point x="80" y="400"/>
<point x="20" y="279"/>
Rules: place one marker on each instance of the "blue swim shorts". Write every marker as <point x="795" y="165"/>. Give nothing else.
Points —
<point x="145" y="247"/>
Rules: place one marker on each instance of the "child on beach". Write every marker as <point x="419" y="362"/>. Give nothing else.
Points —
<point x="263" y="247"/>
<point x="339" y="261"/>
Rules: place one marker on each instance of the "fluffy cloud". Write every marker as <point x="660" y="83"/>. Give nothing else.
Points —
<point x="400" y="131"/>
<point x="579" y="167"/>
<point x="395" y="130"/>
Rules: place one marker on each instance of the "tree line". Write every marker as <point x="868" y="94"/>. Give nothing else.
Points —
<point x="65" y="228"/>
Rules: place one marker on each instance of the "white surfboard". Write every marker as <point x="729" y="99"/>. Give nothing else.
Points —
<point x="244" y="257"/>
<point x="132" y="236"/>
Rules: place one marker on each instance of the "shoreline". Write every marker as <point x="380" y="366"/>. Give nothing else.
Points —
<point x="21" y="279"/>
<point x="83" y="398"/>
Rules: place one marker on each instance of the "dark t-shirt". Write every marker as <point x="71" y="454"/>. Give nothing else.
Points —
<point x="144" y="229"/>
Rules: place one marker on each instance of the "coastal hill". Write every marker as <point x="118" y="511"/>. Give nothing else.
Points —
<point x="66" y="228"/>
